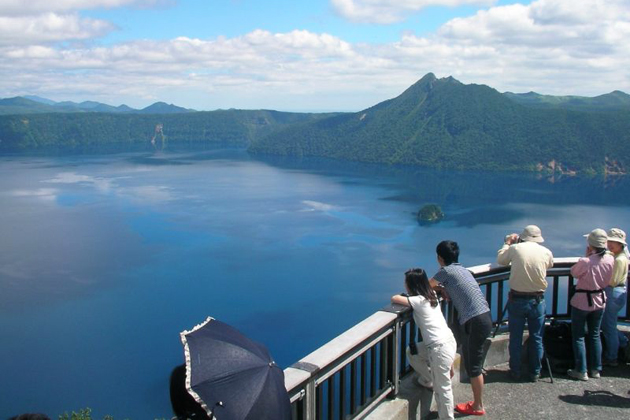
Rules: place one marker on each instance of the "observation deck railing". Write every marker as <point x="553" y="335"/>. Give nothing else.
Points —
<point x="347" y="377"/>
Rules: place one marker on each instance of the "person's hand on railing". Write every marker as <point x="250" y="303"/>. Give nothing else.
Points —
<point x="442" y="293"/>
<point x="401" y="299"/>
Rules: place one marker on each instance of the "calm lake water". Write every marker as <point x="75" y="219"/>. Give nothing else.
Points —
<point x="104" y="259"/>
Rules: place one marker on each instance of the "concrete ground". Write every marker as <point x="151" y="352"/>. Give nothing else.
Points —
<point x="565" y="398"/>
<point x="504" y="398"/>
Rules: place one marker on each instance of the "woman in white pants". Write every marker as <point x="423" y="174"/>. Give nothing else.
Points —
<point x="436" y="351"/>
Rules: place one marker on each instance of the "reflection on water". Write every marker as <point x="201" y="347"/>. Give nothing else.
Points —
<point x="105" y="258"/>
<point x="485" y="215"/>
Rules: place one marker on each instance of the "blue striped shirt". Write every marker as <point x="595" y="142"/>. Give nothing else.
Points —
<point x="463" y="290"/>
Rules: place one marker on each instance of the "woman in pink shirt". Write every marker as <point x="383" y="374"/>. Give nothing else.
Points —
<point x="593" y="273"/>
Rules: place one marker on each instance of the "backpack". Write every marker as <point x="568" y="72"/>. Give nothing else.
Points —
<point x="558" y="345"/>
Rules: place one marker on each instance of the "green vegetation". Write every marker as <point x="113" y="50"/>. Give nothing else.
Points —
<point x="438" y="123"/>
<point x="84" y="414"/>
<point x="611" y="101"/>
<point x="234" y="127"/>
<point x="445" y="124"/>
<point x="430" y="213"/>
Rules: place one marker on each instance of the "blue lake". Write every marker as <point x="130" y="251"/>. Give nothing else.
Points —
<point x="105" y="258"/>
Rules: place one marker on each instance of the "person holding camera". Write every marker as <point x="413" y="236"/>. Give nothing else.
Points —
<point x="436" y="351"/>
<point x="529" y="262"/>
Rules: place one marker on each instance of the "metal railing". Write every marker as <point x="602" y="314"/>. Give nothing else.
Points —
<point x="347" y="377"/>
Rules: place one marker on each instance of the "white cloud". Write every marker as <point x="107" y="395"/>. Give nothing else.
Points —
<point x="49" y="27"/>
<point x="36" y="7"/>
<point x="550" y="42"/>
<point x="45" y="21"/>
<point x="550" y="46"/>
<point x="387" y="11"/>
<point x="255" y="61"/>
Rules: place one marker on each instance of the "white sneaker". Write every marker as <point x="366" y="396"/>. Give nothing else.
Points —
<point x="580" y="376"/>
<point x="594" y="374"/>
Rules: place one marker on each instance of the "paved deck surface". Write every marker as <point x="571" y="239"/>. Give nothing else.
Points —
<point x="504" y="398"/>
<point x="599" y="399"/>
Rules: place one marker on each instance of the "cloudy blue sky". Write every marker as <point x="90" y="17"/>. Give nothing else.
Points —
<point x="306" y="55"/>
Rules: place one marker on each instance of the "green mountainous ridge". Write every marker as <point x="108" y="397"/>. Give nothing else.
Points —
<point x="611" y="101"/>
<point x="435" y="122"/>
<point x="446" y="124"/>
<point x="37" y="105"/>
<point x="93" y="130"/>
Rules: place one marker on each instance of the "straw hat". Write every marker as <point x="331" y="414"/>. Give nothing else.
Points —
<point x="617" y="235"/>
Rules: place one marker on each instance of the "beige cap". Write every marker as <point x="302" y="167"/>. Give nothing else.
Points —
<point x="532" y="233"/>
<point x="617" y="235"/>
<point x="597" y="238"/>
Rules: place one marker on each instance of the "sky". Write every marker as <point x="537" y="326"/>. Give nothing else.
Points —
<point x="306" y="55"/>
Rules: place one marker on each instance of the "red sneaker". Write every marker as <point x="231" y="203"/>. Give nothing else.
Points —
<point x="467" y="409"/>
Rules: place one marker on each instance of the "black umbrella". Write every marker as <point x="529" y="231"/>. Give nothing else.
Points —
<point x="231" y="376"/>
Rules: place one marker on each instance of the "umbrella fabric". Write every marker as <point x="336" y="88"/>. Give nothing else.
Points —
<point x="231" y="376"/>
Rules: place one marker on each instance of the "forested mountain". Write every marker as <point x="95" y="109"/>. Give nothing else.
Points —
<point x="164" y="108"/>
<point x="435" y="122"/>
<point x="444" y="123"/>
<point x="36" y="105"/>
<point x="39" y="99"/>
<point x="236" y="127"/>
<point x="20" y="105"/>
<point x="615" y="100"/>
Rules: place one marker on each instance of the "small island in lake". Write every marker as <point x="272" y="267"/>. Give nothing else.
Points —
<point x="430" y="213"/>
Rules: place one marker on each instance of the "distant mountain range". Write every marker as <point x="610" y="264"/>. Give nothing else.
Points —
<point x="615" y="100"/>
<point x="444" y="123"/>
<point x="38" y="105"/>
<point x="435" y="122"/>
<point x="101" y="130"/>
<point x="31" y="104"/>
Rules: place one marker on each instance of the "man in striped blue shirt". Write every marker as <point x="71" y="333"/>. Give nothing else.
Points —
<point x="474" y="318"/>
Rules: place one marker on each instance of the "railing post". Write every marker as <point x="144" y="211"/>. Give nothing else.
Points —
<point x="310" y="412"/>
<point x="395" y="356"/>
<point x="308" y="392"/>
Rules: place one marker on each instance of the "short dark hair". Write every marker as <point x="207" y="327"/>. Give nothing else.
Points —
<point x="183" y="404"/>
<point x="448" y="251"/>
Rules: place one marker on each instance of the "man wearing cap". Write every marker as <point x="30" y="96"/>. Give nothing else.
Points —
<point x="529" y="263"/>
<point x="616" y="295"/>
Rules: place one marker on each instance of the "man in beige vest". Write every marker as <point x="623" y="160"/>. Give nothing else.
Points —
<point x="529" y="263"/>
